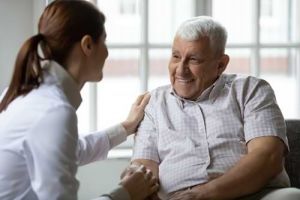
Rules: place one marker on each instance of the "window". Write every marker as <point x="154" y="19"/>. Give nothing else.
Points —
<point x="139" y="50"/>
<point x="264" y="41"/>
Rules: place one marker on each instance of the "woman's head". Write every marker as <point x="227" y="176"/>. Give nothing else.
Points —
<point x="63" y="24"/>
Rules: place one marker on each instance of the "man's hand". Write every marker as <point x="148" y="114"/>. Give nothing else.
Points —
<point x="139" y="182"/>
<point x="264" y="157"/>
<point x="129" y="170"/>
<point x="197" y="192"/>
<point x="151" y="169"/>
<point x="184" y="195"/>
<point x="154" y="196"/>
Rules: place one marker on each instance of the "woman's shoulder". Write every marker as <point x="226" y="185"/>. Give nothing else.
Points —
<point x="39" y="108"/>
<point x="54" y="121"/>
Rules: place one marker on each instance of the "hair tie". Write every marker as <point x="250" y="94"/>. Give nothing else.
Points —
<point x="46" y="50"/>
<point x="40" y="36"/>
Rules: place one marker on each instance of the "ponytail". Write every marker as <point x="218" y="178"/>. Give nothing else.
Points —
<point x="62" y="24"/>
<point x="27" y="73"/>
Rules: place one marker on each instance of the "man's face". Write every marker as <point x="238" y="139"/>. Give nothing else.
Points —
<point x="193" y="67"/>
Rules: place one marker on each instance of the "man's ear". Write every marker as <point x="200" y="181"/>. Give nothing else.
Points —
<point x="86" y="44"/>
<point x="223" y="62"/>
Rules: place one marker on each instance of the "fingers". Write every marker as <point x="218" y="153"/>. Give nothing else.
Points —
<point x="142" y="169"/>
<point x="153" y="180"/>
<point x="150" y="180"/>
<point x="135" y="166"/>
<point x="129" y="170"/>
<point x="142" y="177"/>
<point x="145" y="100"/>
<point x="183" y="195"/>
<point x="154" y="188"/>
<point x="123" y="174"/>
<point x="148" y="174"/>
<point x="142" y="100"/>
<point x="139" y="99"/>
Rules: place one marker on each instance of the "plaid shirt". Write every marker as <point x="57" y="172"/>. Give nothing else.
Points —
<point x="196" y="141"/>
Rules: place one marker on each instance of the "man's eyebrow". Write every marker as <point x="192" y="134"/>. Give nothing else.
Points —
<point x="196" y="55"/>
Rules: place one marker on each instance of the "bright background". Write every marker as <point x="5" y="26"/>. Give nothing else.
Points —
<point x="263" y="40"/>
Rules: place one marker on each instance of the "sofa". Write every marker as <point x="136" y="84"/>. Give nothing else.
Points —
<point x="292" y="161"/>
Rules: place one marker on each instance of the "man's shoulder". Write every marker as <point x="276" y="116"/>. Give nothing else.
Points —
<point x="161" y="91"/>
<point x="247" y="87"/>
<point x="241" y="80"/>
<point x="158" y="96"/>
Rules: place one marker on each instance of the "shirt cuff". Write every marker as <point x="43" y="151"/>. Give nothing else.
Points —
<point x="118" y="193"/>
<point x="116" y="135"/>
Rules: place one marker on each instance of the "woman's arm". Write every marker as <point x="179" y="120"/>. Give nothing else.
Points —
<point x="95" y="146"/>
<point x="49" y="150"/>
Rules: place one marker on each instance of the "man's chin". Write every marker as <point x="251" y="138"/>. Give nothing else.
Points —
<point x="185" y="95"/>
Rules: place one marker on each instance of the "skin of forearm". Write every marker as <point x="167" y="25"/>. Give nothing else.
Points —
<point x="251" y="173"/>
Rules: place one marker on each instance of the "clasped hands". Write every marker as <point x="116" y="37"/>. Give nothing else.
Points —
<point x="139" y="182"/>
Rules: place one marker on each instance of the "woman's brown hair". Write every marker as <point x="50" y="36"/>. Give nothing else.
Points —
<point x="62" y="24"/>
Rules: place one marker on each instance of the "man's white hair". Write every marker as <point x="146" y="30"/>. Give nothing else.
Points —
<point x="204" y="26"/>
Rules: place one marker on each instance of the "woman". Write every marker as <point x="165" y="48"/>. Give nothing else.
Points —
<point x="39" y="145"/>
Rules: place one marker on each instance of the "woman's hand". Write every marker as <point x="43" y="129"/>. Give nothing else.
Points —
<point x="136" y="113"/>
<point x="139" y="182"/>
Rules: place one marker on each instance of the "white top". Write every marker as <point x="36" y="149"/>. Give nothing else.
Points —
<point x="39" y="145"/>
<point x="196" y="141"/>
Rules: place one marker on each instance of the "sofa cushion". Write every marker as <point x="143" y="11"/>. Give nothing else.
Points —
<point x="292" y="161"/>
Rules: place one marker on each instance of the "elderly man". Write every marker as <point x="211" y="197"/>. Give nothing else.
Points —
<point x="210" y="135"/>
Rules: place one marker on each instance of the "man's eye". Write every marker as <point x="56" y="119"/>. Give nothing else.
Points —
<point x="194" y="60"/>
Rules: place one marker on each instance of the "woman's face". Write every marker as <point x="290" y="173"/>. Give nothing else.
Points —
<point x="98" y="58"/>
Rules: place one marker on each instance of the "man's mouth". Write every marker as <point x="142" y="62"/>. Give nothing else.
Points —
<point x="184" y="81"/>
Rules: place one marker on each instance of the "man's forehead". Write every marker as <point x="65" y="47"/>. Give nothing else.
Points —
<point x="201" y="43"/>
<point x="199" y="39"/>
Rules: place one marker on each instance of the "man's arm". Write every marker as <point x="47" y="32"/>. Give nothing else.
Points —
<point x="264" y="131"/>
<point x="262" y="163"/>
<point x="149" y="164"/>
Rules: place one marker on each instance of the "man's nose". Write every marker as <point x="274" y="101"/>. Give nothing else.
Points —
<point x="182" y="67"/>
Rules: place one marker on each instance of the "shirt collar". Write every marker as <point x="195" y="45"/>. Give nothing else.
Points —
<point x="62" y="78"/>
<point x="209" y="93"/>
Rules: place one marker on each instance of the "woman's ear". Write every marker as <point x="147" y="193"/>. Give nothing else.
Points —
<point x="86" y="44"/>
<point x="223" y="62"/>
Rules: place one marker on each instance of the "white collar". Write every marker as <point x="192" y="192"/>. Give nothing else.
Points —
<point x="61" y="77"/>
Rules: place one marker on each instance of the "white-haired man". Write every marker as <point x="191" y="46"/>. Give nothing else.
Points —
<point x="211" y="135"/>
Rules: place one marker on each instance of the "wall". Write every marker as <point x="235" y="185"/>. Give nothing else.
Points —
<point x="99" y="177"/>
<point x="16" y="25"/>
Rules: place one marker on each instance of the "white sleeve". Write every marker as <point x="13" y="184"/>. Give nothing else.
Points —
<point x="95" y="146"/>
<point x="50" y="152"/>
